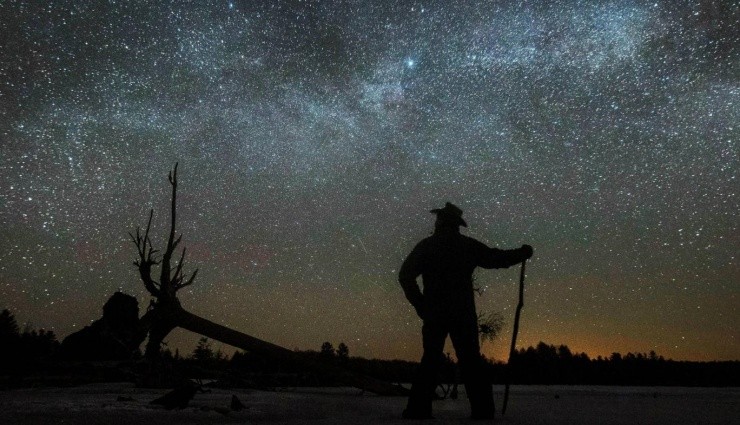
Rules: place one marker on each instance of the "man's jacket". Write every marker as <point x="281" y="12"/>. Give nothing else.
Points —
<point x="446" y="261"/>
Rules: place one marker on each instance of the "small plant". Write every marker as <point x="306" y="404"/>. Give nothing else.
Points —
<point x="490" y="326"/>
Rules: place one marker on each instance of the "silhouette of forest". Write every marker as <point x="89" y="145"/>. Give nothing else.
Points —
<point x="550" y="364"/>
<point x="32" y="357"/>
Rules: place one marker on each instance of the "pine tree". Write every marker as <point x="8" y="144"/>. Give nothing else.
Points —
<point x="343" y="352"/>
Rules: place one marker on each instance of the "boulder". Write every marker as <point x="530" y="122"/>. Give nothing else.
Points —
<point x="115" y="336"/>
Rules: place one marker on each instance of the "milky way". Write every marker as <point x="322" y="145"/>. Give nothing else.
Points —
<point x="314" y="137"/>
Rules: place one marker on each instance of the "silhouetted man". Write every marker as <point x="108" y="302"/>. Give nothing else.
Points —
<point x="446" y="261"/>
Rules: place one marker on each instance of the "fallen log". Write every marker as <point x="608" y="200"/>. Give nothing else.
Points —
<point x="199" y="325"/>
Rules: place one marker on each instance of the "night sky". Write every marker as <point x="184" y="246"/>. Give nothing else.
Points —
<point x="314" y="137"/>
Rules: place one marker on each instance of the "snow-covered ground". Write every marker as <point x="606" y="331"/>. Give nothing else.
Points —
<point x="121" y="403"/>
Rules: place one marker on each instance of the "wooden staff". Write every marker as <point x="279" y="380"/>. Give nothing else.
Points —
<point x="512" y="351"/>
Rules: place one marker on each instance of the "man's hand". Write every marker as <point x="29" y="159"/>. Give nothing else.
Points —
<point x="527" y="252"/>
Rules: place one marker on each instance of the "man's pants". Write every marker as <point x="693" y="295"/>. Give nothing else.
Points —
<point x="464" y="337"/>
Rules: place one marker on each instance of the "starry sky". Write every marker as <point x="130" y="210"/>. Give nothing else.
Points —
<point x="314" y="137"/>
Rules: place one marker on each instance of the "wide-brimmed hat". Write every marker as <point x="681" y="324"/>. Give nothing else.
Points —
<point x="451" y="212"/>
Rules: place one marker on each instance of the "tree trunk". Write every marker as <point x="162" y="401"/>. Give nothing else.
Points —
<point x="159" y="321"/>
<point x="199" y="325"/>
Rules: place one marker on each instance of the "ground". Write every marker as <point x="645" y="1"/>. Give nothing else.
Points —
<point x="121" y="403"/>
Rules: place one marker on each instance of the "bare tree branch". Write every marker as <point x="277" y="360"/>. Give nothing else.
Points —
<point x="177" y="277"/>
<point x="190" y="281"/>
<point x="177" y="242"/>
<point x="166" y="279"/>
<point x="146" y="257"/>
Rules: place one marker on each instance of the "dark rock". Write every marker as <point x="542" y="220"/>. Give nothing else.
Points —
<point x="236" y="404"/>
<point x="115" y="336"/>
<point x="177" y="398"/>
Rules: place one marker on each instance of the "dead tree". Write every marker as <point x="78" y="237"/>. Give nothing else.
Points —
<point x="166" y="313"/>
<point x="163" y="314"/>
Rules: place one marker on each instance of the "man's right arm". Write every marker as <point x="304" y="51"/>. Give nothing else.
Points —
<point x="410" y="270"/>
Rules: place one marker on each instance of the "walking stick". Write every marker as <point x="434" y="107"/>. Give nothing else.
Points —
<point x="512" y="351"/>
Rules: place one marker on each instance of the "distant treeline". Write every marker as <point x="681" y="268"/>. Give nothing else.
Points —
<point x="22" y="350"/>
<point x="548" y="364"/>
<point x="259" y="371"/>
<point x="542" y="365"/>
<point x="34" y="352"/>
